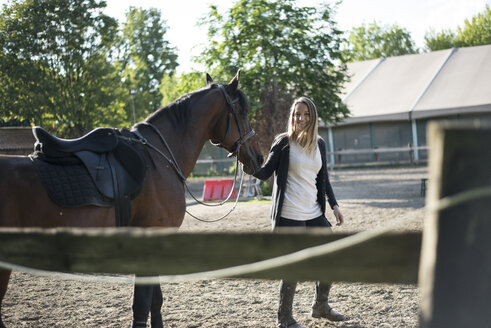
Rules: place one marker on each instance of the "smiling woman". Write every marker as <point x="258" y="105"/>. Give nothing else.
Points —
<point x="298" y="161"/>
<point x="304" y="123"/>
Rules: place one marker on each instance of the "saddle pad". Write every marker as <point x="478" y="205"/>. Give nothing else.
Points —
<point x="69" y="185"/>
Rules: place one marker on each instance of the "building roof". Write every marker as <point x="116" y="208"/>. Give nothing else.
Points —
<point x="422" y="85"/>
<point x="464" y="84"/>
<point x="358" y="71"/>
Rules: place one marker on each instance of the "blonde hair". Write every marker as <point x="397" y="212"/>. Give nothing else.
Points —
<point x="307" y="138"/>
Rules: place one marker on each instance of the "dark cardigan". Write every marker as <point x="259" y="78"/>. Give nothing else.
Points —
<point x="277" y="163"/>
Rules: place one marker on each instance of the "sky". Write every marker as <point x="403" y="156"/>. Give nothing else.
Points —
<point x="416" y="16"/>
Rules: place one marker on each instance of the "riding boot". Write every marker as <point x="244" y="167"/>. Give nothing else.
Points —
<point x="320" y="307"/>
<point x="142" y="300"/>
<point x="156" y="315"/>
<point x="285" y="312"/>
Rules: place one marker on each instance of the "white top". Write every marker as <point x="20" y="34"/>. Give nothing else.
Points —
<point x="301" y="193"/>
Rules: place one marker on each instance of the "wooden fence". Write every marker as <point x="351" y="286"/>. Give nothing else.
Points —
<point x="455" y="268"/>
<point x="164" y="252"/>
<point x="451" y="261"/>
<point x="340" y="153"/>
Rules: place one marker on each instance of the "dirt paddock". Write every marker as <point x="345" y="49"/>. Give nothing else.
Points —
<point x="368" y="198"/>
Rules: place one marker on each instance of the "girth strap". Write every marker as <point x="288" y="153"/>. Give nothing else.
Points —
<point x="122" y="205"/>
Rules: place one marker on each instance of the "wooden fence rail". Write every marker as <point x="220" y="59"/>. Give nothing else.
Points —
<point x="389" y="258"/>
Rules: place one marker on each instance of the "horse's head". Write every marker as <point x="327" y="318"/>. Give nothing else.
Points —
<point x="233" y="131"/>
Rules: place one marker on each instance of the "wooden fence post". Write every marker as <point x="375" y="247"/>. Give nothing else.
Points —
<point x="455" y="267"/>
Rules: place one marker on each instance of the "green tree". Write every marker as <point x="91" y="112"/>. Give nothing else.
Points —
<point x="145" y="59"/>
<point x="55" y="67"/>
<point x="475" y="32"/>
<point x="375" y="41"/>
<point x="172" y="87"/>
<point x="439" y="40"/>
<point x="285" y="51"/>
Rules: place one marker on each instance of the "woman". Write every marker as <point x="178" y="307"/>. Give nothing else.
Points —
<point x="301" y="183"/>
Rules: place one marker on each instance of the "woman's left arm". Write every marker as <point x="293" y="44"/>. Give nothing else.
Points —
<point x="339" y="216"/>
<point x="330" y="193"/>
<point x="333" y="203"/>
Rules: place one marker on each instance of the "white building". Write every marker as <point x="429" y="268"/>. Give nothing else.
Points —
<point x="392" y="99"/>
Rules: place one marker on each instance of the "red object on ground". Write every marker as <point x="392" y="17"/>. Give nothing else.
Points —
<point x="218" y="189"/>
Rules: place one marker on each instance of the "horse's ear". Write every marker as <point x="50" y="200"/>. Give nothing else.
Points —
<point x="209" y="80"/>
<point x="234" y="83"/>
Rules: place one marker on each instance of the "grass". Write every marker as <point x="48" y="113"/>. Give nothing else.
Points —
<point x="256" y="201"/>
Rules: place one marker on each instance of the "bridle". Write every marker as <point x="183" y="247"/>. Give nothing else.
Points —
<point x="234" y="151"/>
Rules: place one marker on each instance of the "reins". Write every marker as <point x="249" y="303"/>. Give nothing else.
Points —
<point x="173" y="162"/>
<point x="242" y="138"/>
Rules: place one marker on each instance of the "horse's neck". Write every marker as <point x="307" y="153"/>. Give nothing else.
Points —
<point x="187" y="140"/>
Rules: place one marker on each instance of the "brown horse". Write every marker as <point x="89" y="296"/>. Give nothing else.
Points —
<point x="217" y="113"/>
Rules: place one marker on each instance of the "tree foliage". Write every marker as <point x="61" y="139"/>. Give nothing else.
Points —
<point x="172" y="86"/>
<point x="285" y="51"/>
<point x="54" y="67"/>
<point x="68" y="67"/>
<point x="444" y="39"/>
<point x="475" y="32"/>
<point x="146" y="58"/>
<point x="375" y="41"/>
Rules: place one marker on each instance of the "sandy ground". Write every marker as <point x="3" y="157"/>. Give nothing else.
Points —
<point x="368" y="198"/>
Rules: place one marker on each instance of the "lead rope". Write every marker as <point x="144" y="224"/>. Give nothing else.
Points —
<point x="221" y="203"/>
<point x="231" y="190"/>
<point x="177" y="169"/>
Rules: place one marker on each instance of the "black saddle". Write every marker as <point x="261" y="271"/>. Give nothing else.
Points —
<point x="100" y="140"/>
<point x="102" y="168"/>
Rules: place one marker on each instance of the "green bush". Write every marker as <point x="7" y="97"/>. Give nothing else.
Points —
<point x="267" y="188"/>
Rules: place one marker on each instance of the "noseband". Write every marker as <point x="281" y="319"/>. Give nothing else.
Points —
<point x="234" y="151"/>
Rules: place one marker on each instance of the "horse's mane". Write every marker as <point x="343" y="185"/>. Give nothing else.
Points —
<point x="179" y="109"/>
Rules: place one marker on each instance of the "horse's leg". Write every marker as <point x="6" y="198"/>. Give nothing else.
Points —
<point x="142" y="300"/>
<point x="4" y="281"/>
<point x="156" y="315"/>
<point x="147" y="298"/>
